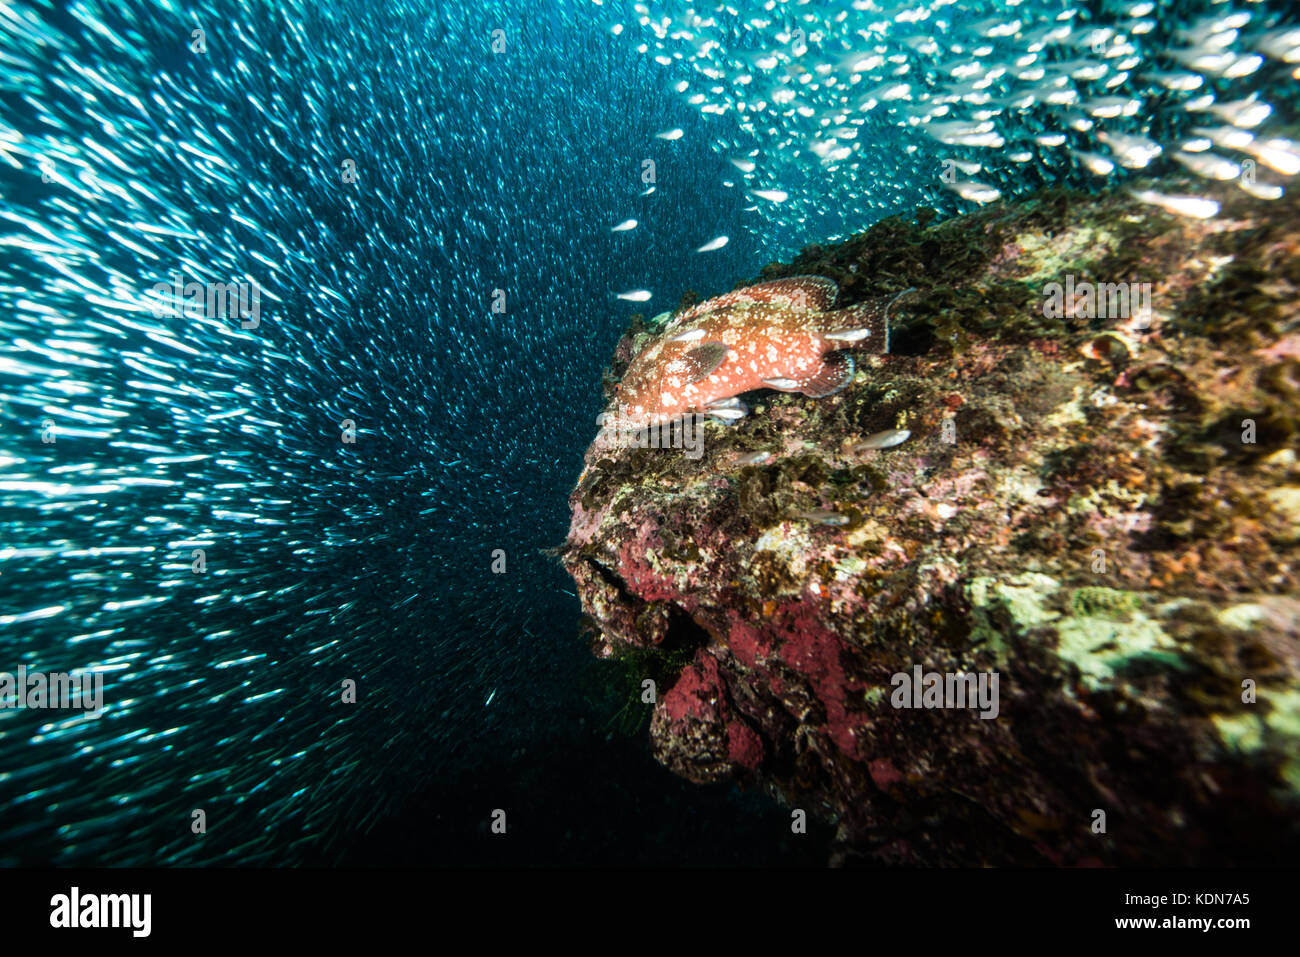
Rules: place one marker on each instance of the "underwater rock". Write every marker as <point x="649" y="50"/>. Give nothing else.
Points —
<point x="1112" y="533"/>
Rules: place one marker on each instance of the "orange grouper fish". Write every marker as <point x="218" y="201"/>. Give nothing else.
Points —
<point x="782" y="335"/>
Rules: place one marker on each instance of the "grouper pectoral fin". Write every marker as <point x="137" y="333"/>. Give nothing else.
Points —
<point x="703" y="360"/>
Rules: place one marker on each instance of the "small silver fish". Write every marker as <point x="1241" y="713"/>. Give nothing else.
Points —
<point x="1283" y="44"/>
<point x="1182" y="82"/>
<point x="1276" y="153"/>
<point x="824" y="516"/>
<point x="1133" y="152"/>
<point x="761" y="457"/>
<point x="1197" y="207"/>
<point x="973" y="191"/>
<point x="883" y="440"/>
<point x="1261" y="190"/>
<point x="1209" y="165"/>
<point x="1228" y="137"/>
<point x="1096" y="164"/>
<point x="1244" y="114"/>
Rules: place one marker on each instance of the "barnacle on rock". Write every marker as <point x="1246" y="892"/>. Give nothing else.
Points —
<point x="1110" y="347"/>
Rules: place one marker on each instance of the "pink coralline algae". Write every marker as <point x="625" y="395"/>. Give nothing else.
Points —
<point x="1111" y="531"/>
<point x="697" y="710"/>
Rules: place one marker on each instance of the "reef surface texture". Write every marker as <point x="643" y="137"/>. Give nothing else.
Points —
<point x="1099" y="504"/>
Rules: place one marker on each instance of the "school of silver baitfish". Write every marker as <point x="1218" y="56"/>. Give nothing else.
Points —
<point x="838" y="114"/>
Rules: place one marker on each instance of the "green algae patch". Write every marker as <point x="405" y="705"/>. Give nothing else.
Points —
<point x="1069" y="251"/>
<point x="1022" y="599"/>
<point x="1243" y="617"/>
<point x="1271" y="725"/>
<point x="1103" y="633"/>
<point x="1102" y="646"/>
<point x="1098" y="602"/>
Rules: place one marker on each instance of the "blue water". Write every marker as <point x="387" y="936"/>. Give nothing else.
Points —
<point x="128" y="156"/>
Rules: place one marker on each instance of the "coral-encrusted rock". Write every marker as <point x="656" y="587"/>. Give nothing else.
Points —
<point x="700" y="738"/>
<point x="1103" y="511"/>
